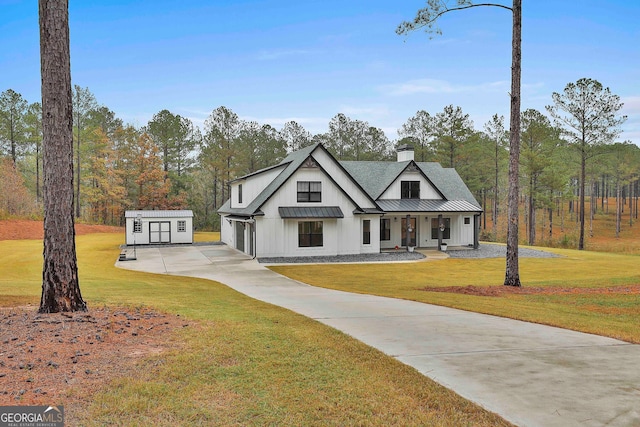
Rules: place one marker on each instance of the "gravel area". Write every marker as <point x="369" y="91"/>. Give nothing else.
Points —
<point x="485" y="251"/>
<point x="380" y="257"/>
<point x="498" y="251"/>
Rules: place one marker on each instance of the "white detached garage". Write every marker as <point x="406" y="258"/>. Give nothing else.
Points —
<point x="159" y="227"/>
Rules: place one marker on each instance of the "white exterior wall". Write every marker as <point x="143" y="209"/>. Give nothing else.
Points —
<point x="277" y="237"/>
<point x="143" y="238"/>
<point x="426" y="190"/>
<point x="226" y="232"/>
<point x="252" y="187"/>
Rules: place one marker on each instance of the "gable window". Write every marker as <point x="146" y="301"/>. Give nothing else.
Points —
<point x="182" y="226"/>
<point x="446" y="234"/>
<point x="240" y="193"/>
<point x="410" y="190"/>
<point x="366" y="231"/>
<point x="309" y="234"/>
<point x="385" y="229"/>
<point x="309" y="191"/>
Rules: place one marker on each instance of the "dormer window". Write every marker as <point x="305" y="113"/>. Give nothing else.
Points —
<point x="309" y="191"/>
<point x="410" y="190"/>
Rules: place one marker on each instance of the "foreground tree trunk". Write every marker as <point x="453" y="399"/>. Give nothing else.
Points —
<point x="512" y="274"/>
<point x="60" y="286"/>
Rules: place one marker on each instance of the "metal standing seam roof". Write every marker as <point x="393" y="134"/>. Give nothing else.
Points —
<point x="310" y="212"/>
<point x="159" y="214"/>
<point x="427" y="205"/>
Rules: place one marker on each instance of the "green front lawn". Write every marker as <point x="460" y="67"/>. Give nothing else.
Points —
<point x="614" y="312"/>
<point x="244" y="363"/>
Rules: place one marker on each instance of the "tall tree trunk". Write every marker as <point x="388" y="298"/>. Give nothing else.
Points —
<point x="618" y="210"/>
<point x="77" y="163"/>
<point x="583" y="176"/>
<point x="496" y="192"/>
<point x="60" y="286"/>
<point x="512" y="273"/>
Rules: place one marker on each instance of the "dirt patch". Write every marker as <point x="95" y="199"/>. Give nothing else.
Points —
<point x="63" y="358"/>
<point x="19" y="229"/>
<point x="497" y="291"/>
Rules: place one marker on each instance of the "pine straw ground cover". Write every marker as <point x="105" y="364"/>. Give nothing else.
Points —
<point x="185" y="351"/>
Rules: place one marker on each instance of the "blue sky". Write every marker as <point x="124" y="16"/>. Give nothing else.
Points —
<point x="275" y="61"/>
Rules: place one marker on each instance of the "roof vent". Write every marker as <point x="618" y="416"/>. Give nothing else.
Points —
<point x="405" y="152"/>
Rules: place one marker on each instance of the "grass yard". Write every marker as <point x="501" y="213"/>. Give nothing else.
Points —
<point x="585" y="291"/>
<point x="243" y="363"/>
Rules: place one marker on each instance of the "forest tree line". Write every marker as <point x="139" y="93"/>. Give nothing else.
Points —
<point x="171" y="164"/>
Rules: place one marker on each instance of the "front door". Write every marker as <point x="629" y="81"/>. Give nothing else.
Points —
<point x="160" y="232"/>
<point x="412" y="233"/>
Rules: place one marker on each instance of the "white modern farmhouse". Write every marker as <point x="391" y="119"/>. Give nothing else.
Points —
<point x="311" y="204"/>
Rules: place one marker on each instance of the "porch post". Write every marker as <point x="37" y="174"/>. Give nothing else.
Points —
<point x="476" y="231"/>
<point x="408" y="231"/>
<point x="440" y="231"/>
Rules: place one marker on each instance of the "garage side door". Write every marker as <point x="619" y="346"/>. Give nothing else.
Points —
<point x="160" y="232"/>
<point x="239" y="236"/>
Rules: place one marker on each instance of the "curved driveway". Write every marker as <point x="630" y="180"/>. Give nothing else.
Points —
<point x="532" y="375"/>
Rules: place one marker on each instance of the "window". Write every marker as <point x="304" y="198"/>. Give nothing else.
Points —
<point x="467" y="220"/>
<point x="182" y="226"/>
<point x="410" y="190"/>
<point x="385" y="229"/>
<point x="309" y="191"/>
<point x="239" y="193"/>
<point x="366" y="232"/>
<point x="309" y="234"/>
<point x="446" y="234"/>
<point x="137" y="226"/>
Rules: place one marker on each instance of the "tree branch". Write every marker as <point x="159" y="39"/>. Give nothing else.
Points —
<point x="405" y="27"/>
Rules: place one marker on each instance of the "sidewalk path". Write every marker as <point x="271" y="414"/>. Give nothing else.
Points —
<point x="532" y="375"/>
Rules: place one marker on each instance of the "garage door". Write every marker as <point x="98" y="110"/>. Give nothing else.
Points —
<point x="160" y="232"/>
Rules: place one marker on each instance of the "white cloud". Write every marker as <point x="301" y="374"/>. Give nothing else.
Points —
<point x="432" y="86"/>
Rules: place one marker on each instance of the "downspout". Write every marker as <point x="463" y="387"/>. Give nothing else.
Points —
<point x="255" y="238"/>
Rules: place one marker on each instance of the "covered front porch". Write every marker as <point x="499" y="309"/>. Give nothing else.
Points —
<point x="429" y="230"/>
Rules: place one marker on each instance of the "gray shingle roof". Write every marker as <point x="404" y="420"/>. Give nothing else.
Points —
<point x="374" y="178"/>
<point x="294" y="160"/>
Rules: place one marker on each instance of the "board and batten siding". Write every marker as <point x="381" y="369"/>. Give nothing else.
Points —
<point x="395" y="190"/>
<point x="169" y="221"/>
<point x="276" y="236"/>
<point x="252" y="187"/>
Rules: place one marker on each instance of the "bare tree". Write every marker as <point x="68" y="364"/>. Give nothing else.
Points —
<point x="60" y="286"/>
<point x="426" y="18"/>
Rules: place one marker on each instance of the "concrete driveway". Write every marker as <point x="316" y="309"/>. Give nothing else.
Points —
<point x="532" y="375"/>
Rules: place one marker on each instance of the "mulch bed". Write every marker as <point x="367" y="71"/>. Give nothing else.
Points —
<point x="63" y="358"/>
<point x="497" y="291"/>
